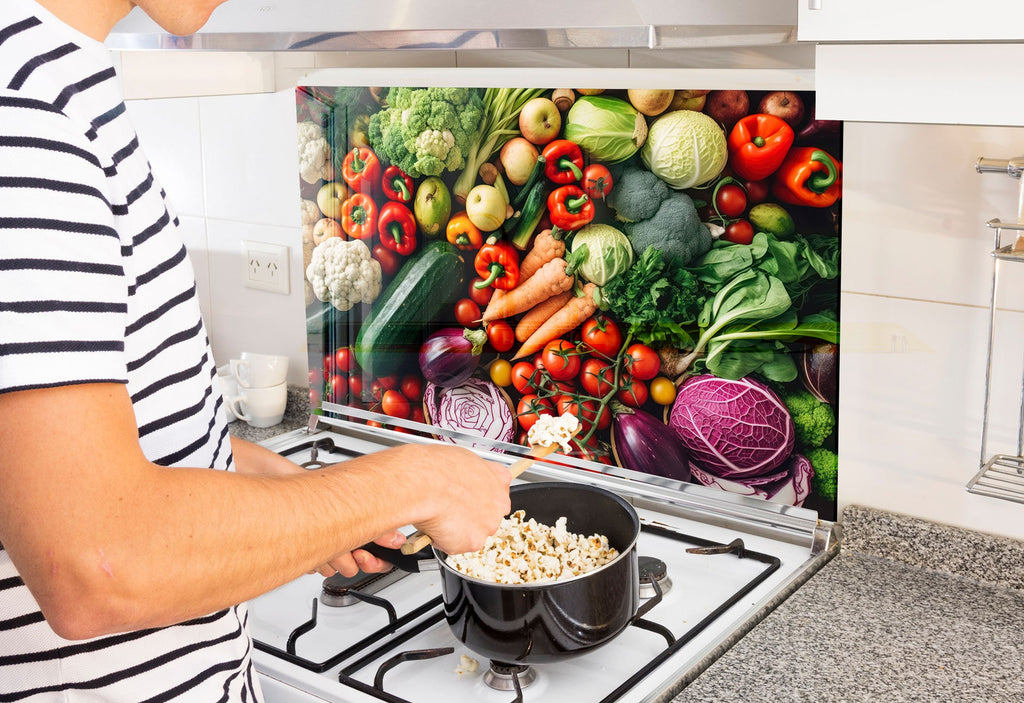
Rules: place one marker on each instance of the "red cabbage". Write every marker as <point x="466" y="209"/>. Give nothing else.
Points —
<point x="733" y="429"/>
<point x="790" y="486"/>
<point x="476" y="407"/>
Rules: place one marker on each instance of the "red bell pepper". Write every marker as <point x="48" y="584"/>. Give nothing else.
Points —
<point x="397" y="185"/>
<point x="397" y="228"/>
<point x="570" y="208"/>
<point x="497" y="263"/>
<point x="563" y="161"/>
<point x="359" y="216"/>
<point x="758" y="145"/>
<point x="809" y="177"/>
<point x="361" y="170"/>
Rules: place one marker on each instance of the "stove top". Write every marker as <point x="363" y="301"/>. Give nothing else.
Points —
<point x="711" y="566"/>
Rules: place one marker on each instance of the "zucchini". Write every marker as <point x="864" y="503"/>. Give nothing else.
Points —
<point x="389" y="339"/>
<point x="531" y="180"/>
<point x="526" y="221"/>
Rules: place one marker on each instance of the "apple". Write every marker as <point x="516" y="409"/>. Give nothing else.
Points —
<point x="330" y="197"/>
<point x="540" y="120"/>
<point x="689" y="100"/>
<point x="518" y="157"/>
<point x="485" y="206"/>
<point x="590" y="91"/>
<point x="650" y="102"/>
<point x="432" y="206"/>
<point x="325" y="229"/>
<point x="727" y="106"/>
<point x="784" y="104"/>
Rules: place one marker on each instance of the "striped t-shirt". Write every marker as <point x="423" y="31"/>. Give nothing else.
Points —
<point x="95" y="286"/>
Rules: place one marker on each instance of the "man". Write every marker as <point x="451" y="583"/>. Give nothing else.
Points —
<point x="124" y="556"/>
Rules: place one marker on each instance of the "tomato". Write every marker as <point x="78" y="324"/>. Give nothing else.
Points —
<point x="561" y="359"/>
<point x="389" y="261"/>
<point x="566" y="404"/>
<point x="730" y="200"/>
<point x="328" y="367"/>
<point x="739" y="232"/>
<point x="633" y="395"/>
<point x="481" y="296"/>
<point x="596" y="181"/>
<point x="411" y="387"/>
<point x="467" y="312"/>
<point x="642" y="362"/>
<point x="343" y="360"/>
<point x="314" y="398"/>
<point x="337" y="388"/>
<point x="500" y="335"/>
<point x="417" y="413"/>
<point x="757" y="191"/>
<point x="501" y="372"/>
<point x="602" y="335"/>
<point x="589" y="415"/>
<point x="388" y="382"/>
<point x="525" y="377"/>
<point x="355" y="385"/>
<point x="395" y="404"/>
<point x="597" y="377"/>
<point x="555" y="387"/>
<point x="663" y="391"/>
<point x="530" y="408"/>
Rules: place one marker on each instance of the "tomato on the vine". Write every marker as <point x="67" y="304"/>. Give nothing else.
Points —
<point x="417" y="413"/>
<point x="530" y="408"/>
<point x="524" y="375"/>
<point x="634" y="395"/>
<point x="395" y="404"/>
<point x="355" y="385"/>
<point x="389" y="382"/>
<point x="663" y="391"/>
<point x="481" y="296"/>
<point x="566" y="404"/>
<point x="412" y="387"/>
<point x="343" y="360"/>
<point x="467" y="312"/>
<point x="561" y="359"/>
<point x="501" y="372"/>
<point x="500" y="335"/>
<point x="589" y="415"/>
<point x="642" y="362"/>
<point x="739" y="232"/>
<point x="597" y="377"/>
<point x="601" y="334"/>
<point x="731" y="200"/>
<point x="337" y="388"/>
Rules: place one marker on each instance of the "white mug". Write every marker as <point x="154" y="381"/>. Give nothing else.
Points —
<point x="260" y="407"/>
<point x="259" y="370"/>
<point x="228" y="388"/>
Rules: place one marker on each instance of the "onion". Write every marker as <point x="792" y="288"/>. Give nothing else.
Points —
<point x="475" y="407"/>
<point x="451" y="355"/>
<point x="641" y="443"/>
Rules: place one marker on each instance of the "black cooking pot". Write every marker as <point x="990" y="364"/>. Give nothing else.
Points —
<point x="543" y="622"/>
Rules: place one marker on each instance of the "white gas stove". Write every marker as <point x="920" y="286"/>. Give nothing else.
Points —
<point x="385" y="638"/>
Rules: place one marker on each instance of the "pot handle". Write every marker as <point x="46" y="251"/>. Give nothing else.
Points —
<point x="423" y="560"/>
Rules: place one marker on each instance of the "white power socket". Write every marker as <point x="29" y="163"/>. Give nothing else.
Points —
<point x="265" y="266"/>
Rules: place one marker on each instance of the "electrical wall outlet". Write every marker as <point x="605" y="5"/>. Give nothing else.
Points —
<point x="265" y="266"/>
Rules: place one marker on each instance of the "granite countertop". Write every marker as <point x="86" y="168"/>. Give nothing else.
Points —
<point x="909" y="610"/>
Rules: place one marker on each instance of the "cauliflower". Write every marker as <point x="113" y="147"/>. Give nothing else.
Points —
<point x="344" y="273"/>
<point x="314" y="152"/>
<point x="310" y="211"/>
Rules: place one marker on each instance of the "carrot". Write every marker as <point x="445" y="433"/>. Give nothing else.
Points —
<point x="546" y="246"/>
<point x="552" y="278"/>
<point x="562" y="322"/>
<point x="538" y="315"/>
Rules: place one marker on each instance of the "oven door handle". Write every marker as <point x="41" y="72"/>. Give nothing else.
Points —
<point x="416" y="562"/>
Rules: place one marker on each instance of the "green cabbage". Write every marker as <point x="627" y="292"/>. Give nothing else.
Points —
<point x="607" y="129"/>
<point x="608" y="254"/>
<point x="686" y="149"/>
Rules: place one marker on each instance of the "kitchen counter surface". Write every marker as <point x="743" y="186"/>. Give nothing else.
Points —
<point x="296" y="415"/>
<point x="907" y="611"/>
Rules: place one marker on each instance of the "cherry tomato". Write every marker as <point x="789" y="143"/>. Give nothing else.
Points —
<point x="395" y="404"/>
<point x="373" y="423"/>
<point x="561" y="359"/>
<point x="555" y="387"/>
<point x="566" y="404"/>
<point x="596" y="181"/>
<point x="411" y="387"/>
<point x="481" y="296"/>
<point x="757" y="191"/>
<point x="467" y="312"/>
<point x="343" y="360"/>
<point x="355" y="385"/>
<point x="416" y="413"/>
<point x="388" y="382"/>
<point x="642" y="362"/>
<point x="730" y="200"/>
<point x="389" y="261"/>
<point x="597" y="377"/>
<point x="500" y="335"/>
<point x="328" y="367"/>
<point x="530" y="408"/>
<point x="589" y="415"/>
<point x="314" y="398"/>
<point x="524" y="377"/>
<point x="633" y="395"/>
<point x="602" y="335"/>
<point x="337" y="388"/>
<point x="663" y="391"/>
<point x="501" y="372"/>
<point x="739" y="232"/>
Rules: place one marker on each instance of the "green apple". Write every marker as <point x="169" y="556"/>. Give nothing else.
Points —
<point x="432" y="206"/>
<point x="486" y="207"/>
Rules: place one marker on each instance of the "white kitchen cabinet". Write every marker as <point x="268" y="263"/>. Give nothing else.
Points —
<point x="910" y="20"/>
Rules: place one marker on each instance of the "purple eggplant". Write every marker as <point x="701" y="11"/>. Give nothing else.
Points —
<point x="642" y="443"/>
<point x="449" y="356"/>
<point x="818" y="366"/>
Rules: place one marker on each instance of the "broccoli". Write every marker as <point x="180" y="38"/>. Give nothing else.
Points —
<point x="653" y="215"/>
<point x="815" y="421"/>
<point x="426" y="131"/>
<point x="826" y="471"/>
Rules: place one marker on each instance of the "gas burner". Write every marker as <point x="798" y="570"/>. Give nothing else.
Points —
<point x="503" y="677"/>
<point x="339" y="591"/>
<point x="653" y="568"/>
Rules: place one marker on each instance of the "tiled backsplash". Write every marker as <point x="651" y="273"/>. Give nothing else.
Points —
<point x="916" y="284"/>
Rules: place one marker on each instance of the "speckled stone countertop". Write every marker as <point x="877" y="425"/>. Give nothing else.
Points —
<point x="909" y="610"/>
<point x="296" y="415"/>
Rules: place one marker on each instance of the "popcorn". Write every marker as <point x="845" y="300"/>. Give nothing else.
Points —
<point x="548" y="430"/>
<point x="524" y="551"/>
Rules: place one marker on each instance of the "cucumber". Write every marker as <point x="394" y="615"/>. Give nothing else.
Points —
<point x="390" y="337"/>
<point x="533" y="210"/>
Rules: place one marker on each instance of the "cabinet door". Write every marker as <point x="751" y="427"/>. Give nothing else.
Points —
<point x="910" y="20"/>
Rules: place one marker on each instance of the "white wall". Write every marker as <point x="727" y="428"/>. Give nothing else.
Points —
<point x="916" y="275"/>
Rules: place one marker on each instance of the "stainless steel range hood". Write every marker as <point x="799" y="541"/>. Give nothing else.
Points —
<point x="357" y="25"/>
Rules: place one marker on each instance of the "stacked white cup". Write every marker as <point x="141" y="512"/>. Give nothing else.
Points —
<point x="262" y="391"/>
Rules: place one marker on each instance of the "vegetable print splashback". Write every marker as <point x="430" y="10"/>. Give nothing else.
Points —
<point x="661" y="264"/>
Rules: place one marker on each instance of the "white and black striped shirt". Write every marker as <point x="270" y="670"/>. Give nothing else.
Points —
<point x="95" y="286"/>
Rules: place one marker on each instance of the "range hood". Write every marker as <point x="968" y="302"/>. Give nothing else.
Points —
<point x="357" y="25"/>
